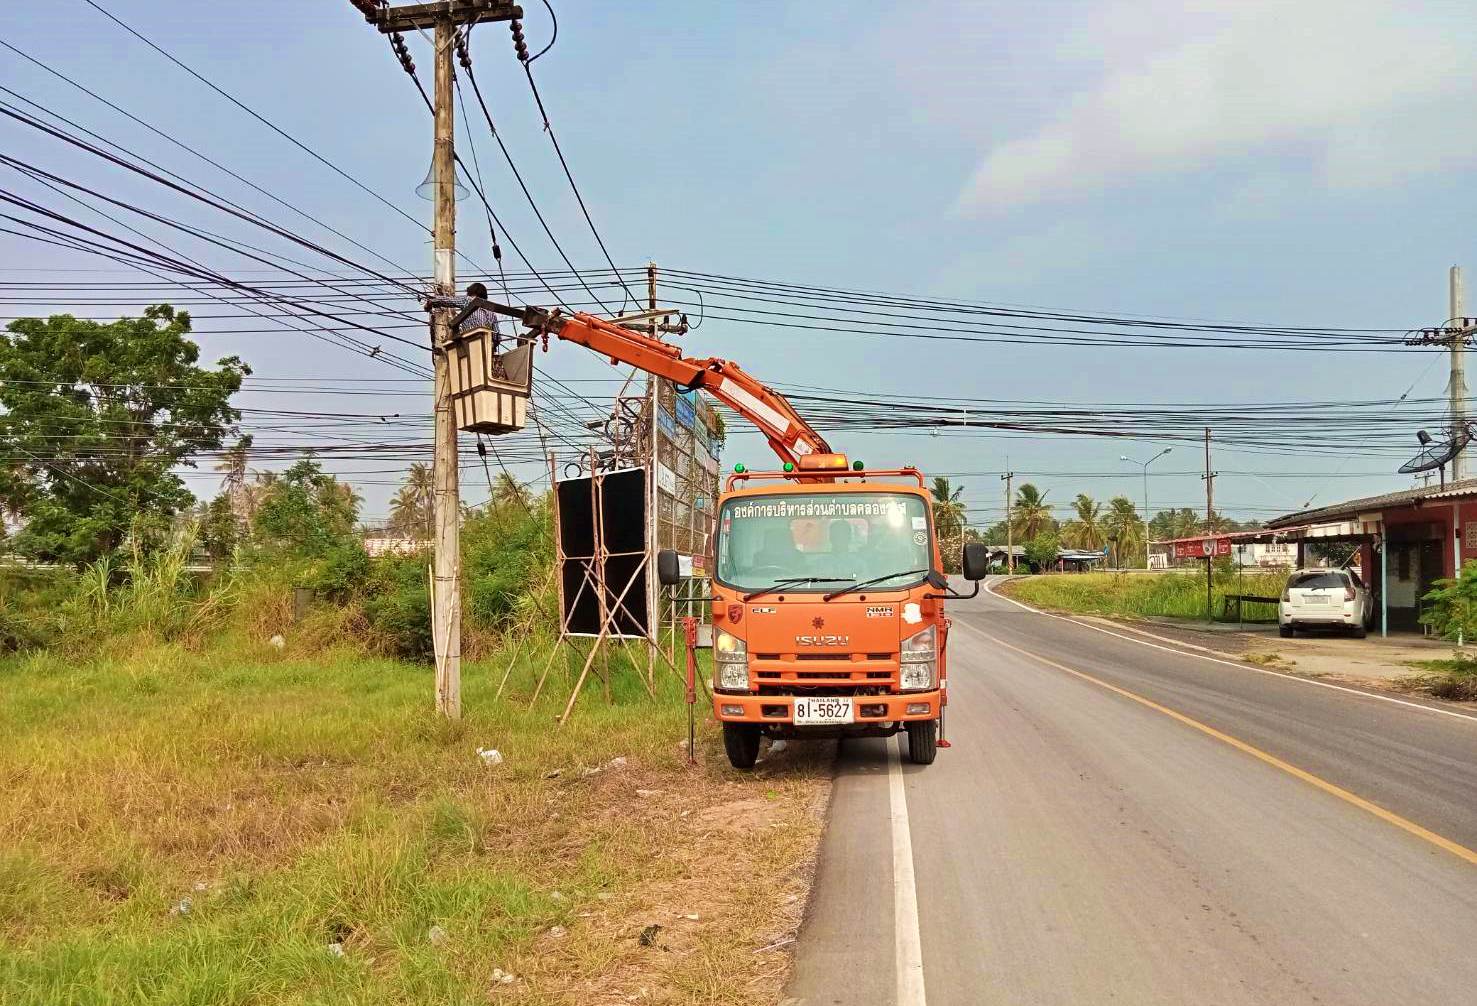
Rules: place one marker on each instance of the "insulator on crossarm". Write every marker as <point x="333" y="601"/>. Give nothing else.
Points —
<point x="519" y="45"/>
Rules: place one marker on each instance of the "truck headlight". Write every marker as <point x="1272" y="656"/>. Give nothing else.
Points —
<point x="920" y="667"/>
<point x="730" y="662"/>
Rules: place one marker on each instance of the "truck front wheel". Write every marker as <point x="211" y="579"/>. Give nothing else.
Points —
<point x="741" y="741"/>
<point x="923" y="741"/>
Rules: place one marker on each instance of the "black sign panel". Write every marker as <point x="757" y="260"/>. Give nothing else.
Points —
<point x="602" y="536"/>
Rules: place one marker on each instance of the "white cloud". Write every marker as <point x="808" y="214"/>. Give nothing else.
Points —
<point x="1365" y="92"/>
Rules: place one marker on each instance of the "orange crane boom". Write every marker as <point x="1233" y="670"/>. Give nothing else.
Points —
<point x="789" y="435"/>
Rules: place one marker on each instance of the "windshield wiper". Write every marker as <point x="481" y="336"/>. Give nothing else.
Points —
<point x="794" y="581"/>
<point x="867" y="583"/>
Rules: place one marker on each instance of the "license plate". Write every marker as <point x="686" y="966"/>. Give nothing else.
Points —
<point x="822" y="711"/>
<point x="1315" y="599"/>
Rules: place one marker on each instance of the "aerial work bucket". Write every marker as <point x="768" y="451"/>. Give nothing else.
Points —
<point x="489" y="390"/>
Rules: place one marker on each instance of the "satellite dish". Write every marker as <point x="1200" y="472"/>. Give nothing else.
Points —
<point x="1435" y="456"/>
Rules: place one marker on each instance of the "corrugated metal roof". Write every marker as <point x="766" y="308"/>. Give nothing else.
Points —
<point x="1352" y="508"/>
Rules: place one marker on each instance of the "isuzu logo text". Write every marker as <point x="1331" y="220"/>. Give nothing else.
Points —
<point x="822" y="640"/>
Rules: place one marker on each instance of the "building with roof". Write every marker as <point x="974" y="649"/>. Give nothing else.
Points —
<point x="1407" y="540"/>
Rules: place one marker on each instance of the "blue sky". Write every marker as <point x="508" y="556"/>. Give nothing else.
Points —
<point x="1298" y="164"/>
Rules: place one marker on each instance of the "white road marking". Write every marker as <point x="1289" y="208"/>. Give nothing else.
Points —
<point x="989" y="589"/>
<point x="908" y="958"/>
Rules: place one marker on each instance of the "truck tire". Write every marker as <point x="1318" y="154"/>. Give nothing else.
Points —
<point x="741" y="741"/>
<point x="923" y="741"/>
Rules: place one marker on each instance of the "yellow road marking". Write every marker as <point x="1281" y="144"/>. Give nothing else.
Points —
<point x="1387" y="816"/>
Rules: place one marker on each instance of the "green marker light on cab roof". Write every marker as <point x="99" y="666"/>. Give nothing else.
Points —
<point x="789" y="466"/>
<point x="858" y="465"/>
<point x="739" y="468"/>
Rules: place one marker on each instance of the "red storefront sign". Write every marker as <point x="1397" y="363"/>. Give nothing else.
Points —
<point x="1202" y="548"/>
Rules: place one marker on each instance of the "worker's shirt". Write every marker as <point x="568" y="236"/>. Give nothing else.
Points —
<point x="480" y="318"/>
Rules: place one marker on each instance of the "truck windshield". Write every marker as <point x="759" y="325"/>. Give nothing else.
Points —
<point x="841" y="537"/>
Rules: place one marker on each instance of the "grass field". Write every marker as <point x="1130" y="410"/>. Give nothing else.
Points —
<point x="238" y="825"/>
<point x="1143" y="595"/>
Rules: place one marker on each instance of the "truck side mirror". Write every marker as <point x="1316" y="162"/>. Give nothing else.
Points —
<point x="976" y="561"/>
<point x="668" y="569"/>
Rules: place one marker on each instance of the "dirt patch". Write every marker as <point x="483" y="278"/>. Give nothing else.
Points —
<point x="740" y="815"/>
<point x="739" y="868"/>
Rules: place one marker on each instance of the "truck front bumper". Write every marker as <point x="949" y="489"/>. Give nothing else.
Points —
<point x="866" y="709"/>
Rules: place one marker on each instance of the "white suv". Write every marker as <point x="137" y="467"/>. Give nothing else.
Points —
<point x="1324" y="598"/>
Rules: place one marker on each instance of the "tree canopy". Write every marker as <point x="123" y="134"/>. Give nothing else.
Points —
<point x="97" y="417"/>
<point x="1031" y="514"/>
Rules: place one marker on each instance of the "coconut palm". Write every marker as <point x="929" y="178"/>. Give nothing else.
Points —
<point x="348" y="497"/>
<point x="233" y="464"/>
<point x="1122" y="523"/>
<point x="1085" y="530"/>
<point x="253" y="495"/>
<point x="506" y="491"/>
<point x="413" y="507"/>
<point x="948" y="509"/>
<point x="1030" y="514"/>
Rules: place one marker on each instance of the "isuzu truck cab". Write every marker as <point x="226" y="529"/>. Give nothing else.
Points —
<point x="828" y="608"/>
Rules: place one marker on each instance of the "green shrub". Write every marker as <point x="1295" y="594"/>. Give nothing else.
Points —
<point x="397" y="605"/>
<point x="1452" y="605"/>
<point x="506" y="555"/>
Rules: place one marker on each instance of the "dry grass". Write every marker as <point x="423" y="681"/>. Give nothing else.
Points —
<point x="302" y="803"/>
<point x="1454" y="680"/>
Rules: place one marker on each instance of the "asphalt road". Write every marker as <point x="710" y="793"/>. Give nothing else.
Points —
<point x="1154" y="828"/>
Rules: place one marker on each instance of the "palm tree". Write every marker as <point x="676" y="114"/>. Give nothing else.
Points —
<point x="1122" y="523"/>
<point x="1030" y="515"/>
<point x="413" y="507"/>
<point x="233" y="463"/>
<point x="1085" y="530"/>
<point x="948" y="509"/>
<point x="348" y="496"/>
<point x="506" y="491"/>
<point x="253" y="495"/>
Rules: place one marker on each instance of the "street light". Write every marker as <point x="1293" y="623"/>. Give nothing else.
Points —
<point x="1145" y="465"/>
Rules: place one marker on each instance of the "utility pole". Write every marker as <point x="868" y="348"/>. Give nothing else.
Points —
<point x="653" y="492"/>
<point x="446" y="617"/>
<point x="446" y="603"/>
<point x="1209" y="528"/>
<point x="1009" y="525"/>
<point x="1457" y="388"/>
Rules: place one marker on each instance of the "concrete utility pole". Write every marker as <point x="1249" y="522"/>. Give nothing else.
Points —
<point x="446" y="611"/>
<point x="1209" y="528"/>
<point x="653" y="493"/>
<point x="1009" y="529"/>
<point x="1457" y="388"/>
<point x="445" y="18"/>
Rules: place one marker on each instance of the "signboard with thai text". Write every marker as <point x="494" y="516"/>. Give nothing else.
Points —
<point x="1203" y="548"/>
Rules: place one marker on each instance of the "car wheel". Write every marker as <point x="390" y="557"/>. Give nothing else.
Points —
<point x="1285" y="631"/>
<point x="1360" y="631"/>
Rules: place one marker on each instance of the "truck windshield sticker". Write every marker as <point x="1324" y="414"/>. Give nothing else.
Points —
<point x="822" y="541"/>
<point x="750" y="509"/>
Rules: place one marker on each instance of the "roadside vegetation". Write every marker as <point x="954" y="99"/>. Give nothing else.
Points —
<point x="224" y="781"/>
<point x="1146" y="595"/>
<point x="1454" y="679"/>
<point x="239" y="824"/>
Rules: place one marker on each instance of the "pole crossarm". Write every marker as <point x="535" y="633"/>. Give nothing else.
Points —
<point x="416" y="16"/>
